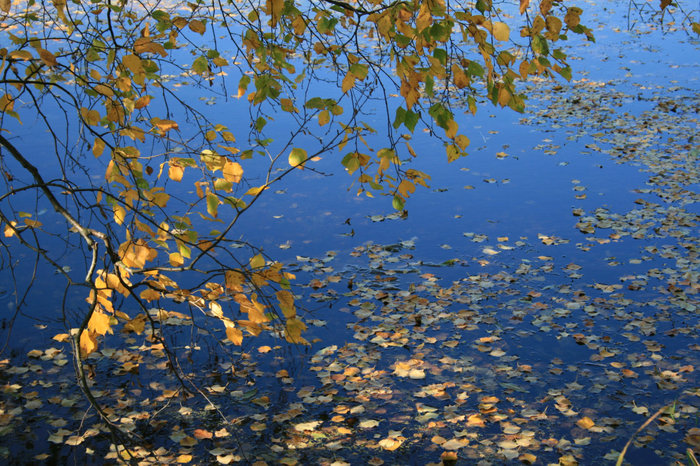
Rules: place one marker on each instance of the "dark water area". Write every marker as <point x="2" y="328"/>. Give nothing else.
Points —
<point x="536" y="304"/>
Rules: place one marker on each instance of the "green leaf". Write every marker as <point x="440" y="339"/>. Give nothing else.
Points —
<point x="397" y="203"/>
<point x="212" y="204"/>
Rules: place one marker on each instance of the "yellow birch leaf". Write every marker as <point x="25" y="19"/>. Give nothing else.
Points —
<point x="5" y="5"/>
<point x="9" y="229"/>
<point x="523" y="5"/>
<point x="501" y="31"/>
<point x="424" y="19"/>
<point x="293" y="331"/>
<point x="462" y="141"/>
<point x="257" y="261"/>
<point x="286" y="300"/>
<point x="99" y="323"/>
<point x="175" y="172"/>
<point x="149" y="295"/>
<point x="324" y="117"/>
<point x="98" y="147"/>
<point x="256" y="190"/>
<point x="274" y="9"/>
<point x="390" y="443"/>
<point x="32" y="223"/>
<point x="136" y="325"/>
<point x="232" y="171"/>
<point x="176" y="259"/>
<point x="197" y="26"/>
<point x="132" y="63"/>
<point x="297" y="157"/>
<point x="141" y="102"/>
<point x="234" y="334"/>
<point x="88" y="342"/>
<point x="164" y="125"/>
<point x="348" y="82"/>
<point x="585" y="422"/>
<point x="452" y="128"/>
<point x="47" y="58"/>
<point x="406" y="188"/>
<point x="119" y="214"/>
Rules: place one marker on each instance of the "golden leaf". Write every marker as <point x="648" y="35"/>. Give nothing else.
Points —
<point x="286" y="300"/>
<point x="348" y="82"/>
<point x="234" y="334"/>
<point x="5" y="5"/>
<point x="257" y="261"/>
<point x="585" y="422"/>
<point x="391" y="443"/>
<point x="197" y="26"/>
<point x="523" y="5"/>
<point x="501" y="31"/>
<point x="99" y="323"/>
<point x="175" y="172"/>
<point x="232" y="171"/>
<point x="88" y="342"/>
<point x="47" y="58"/>
<point x="176" y="259"/>
<point x="164" y="125"/>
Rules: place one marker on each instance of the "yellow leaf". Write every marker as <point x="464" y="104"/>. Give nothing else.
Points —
<point x="286" y="300"/>
<point x="5" y="5"/>
<point x="47" y="58"/>
<point x="257" y="261"/>
<point x="61" y="337"/>
<point x="256" y="190"/>
<point x="424" y="18"/>
<point x="293" y="330"/>
<point x="32" y="223"/>
<point x="348" y="82"/>
<point x="149" y="295"/>
<point x="391" y="443"/>
<point x="98" y="147"/>
<point x="99" y="323"/>
<point x="297" y="157"/>
<point x="164" y="125"/>
<point x="452" y="128"/>
<point x="324" y="117"/>
<point x="462" y="141"/>
<point x="136" y="325"/>
<point x="88" y="342"/>
<point x="233" y="171"/>
<point x="585" y="422"/>
<point x="182" y="459"/>
<point x="197" y="26"/>
<point x="523" y="5"/>
<point x="175" y="172"/>
<point x="9" y="229"/>
<point x="234" y="334"/>
<point x="119" y="214"/>
<point x="143" y="101"/>
<point x="176" y="259"/>
<point x="406" y="188"/>
<point x="501" y="31"/>
<point x="133" y="63"/>
<point x="274" y="9"/>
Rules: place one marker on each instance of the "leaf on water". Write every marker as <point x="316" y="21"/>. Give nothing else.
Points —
<point x="306" y="426"/>
<point x="585" y="422"/>
<point x="391" y="443"/>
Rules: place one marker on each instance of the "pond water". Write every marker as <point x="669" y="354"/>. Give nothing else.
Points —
<point x="537" y="303"/>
